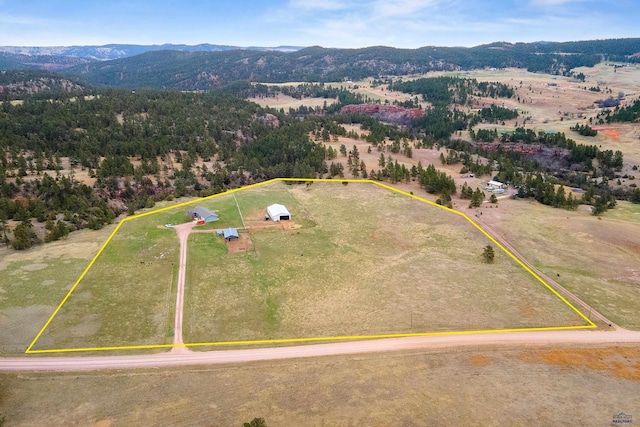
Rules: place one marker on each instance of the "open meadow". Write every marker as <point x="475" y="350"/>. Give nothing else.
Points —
<point x="597" y="258"/>
<point x="33" y="282"/>
<point x="126" y="297"/>
<point x="285" y="101"/>
<point x="356" y="259"/>
<point x="557" y="103"/>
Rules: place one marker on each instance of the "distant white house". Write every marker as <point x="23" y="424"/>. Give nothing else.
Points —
<point x="495" y="184"/>
<point x="278" y="212"/>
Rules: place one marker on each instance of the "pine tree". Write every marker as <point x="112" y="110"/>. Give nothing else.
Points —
<point x="488" y="254"/>
<point x="21" y="237"/>
<point x="560" y="199"/>
<point x="382" y="162"/>
<point x="476" y="199"/>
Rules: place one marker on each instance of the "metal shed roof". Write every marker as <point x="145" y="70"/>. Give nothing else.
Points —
<point x="230" y="232"/>
<point x="202" y="212"/>
<point x="276" y="211"/>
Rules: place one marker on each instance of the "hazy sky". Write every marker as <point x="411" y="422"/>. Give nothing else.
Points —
<point x="329" y="23"/>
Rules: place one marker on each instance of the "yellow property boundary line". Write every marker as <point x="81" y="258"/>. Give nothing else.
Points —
<point x="310" y="339"/>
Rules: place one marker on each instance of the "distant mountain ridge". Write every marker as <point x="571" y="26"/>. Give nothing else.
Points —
<point x="183" y="67"/>
<point x="116" y="51"/>
<point x="12" y="61"/>
<point x="15" y="84"/>
<point x="211" y="70"/>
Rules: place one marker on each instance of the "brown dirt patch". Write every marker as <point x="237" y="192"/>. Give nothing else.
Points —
<point x="620" y="362"/>
<point x="480" y="360"/>
<point x="256" y="223"/>
<point x="613" y="134"/>
<point x="242" y="245"/>
<point x="527" y="311"/>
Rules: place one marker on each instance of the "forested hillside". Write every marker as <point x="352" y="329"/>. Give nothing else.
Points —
<point x="137" y="148"/>
<point x="12" y="61"/>
<point x="16" y="84"/>
<point x="78" y="158"/>
<point x="208" y="70"/>
<point x="81" y="54"/>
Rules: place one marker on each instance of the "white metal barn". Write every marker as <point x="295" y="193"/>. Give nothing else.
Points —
<point x="278" y="212"/>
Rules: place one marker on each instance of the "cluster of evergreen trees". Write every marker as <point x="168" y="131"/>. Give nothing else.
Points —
<point x="168" y="133"/>
<point x="475" y="197"/>
<point x="584" y="130"/>
<point x="495" y="114"/>
<point x="62" y="203"/>
<point x="146" y="146"/>
<point x="630" y="113"/>
<point x="436" y="182"/>
<point x="444" y="91"/>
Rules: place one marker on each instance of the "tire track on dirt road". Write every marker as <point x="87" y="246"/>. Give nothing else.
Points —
<point x="183" y="231"/>
<point x="432" y="342"/>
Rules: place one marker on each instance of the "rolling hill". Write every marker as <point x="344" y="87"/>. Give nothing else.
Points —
<point x="117" y="51"/>
<point x="209" y="70"/>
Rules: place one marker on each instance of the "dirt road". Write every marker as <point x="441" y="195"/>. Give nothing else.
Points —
<point x="183" y="231"/>
<point x="540" y="338"/>
<point x="180" y="355"/>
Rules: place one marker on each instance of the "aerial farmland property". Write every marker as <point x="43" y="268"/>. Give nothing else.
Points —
<point x="273" y="232"/>
<point x="354" y="260"/>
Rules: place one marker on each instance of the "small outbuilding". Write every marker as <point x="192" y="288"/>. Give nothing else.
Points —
<point x="495" y="184"/>
<point x="202" y="214"/>
<point x="278" y="212"/>
<point x="231" y="234"/>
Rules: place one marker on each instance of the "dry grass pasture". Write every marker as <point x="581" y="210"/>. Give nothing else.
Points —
<point x="33" y="282"/>
<point x="598" y="259"/>
<point x="490" y="386"/>
<point x="357" y="260"/>
<point x="286" y="102"/>
<point x="362" y="260"/>
<point x="557" y="103"/>
<point x="126" y="297"/>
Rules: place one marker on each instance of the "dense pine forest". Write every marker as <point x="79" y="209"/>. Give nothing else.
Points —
<point x="138" y="148"/>
<point x="75" y="157"/>
<point x="195" y="68"/>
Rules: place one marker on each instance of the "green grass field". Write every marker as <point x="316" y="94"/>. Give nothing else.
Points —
<point x="357" y="259"/>
<point x="364" y="261"/>
<point x="128" y="295"/>
<point x="33" y="282"/>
